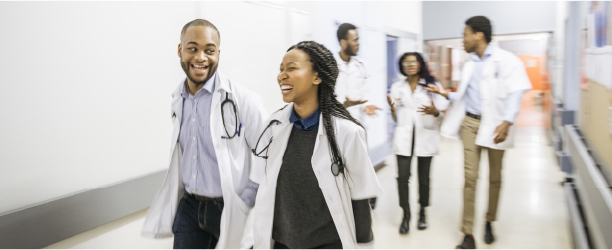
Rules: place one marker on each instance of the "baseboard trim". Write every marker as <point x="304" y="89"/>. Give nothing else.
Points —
<point x="48" y="222"/>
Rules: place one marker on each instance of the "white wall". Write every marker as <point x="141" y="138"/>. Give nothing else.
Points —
<point x="253" y="47"/>
<point x="372" y="19"/>
<point x="85" y="87"/>
<point x="406" y="16"/>
<point x="442" y="20"/>
<point x="84" y="94"/>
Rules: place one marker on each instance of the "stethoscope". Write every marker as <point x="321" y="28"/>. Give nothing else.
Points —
<point x="336" y="168"/>
<point x="236" y="127"/>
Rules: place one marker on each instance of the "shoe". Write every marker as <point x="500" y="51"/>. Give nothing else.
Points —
<point x="489" y="238"/>
<point x="468" y="243"/>
<point x="421" y="225"/>
<point x="404" y="227"/>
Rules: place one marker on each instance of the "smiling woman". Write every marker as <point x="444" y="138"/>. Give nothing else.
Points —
<point x="310" y="163"/>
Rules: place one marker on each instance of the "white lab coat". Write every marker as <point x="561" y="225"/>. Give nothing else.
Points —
<point x="502" y="74"/>
<point x="407" y="104"/>
<point x="234" y="160"/>
<point x="360" y="183"/>
<point x="352" y="83"/>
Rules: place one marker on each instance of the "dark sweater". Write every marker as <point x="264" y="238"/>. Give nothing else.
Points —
<point x="301" y="216"/>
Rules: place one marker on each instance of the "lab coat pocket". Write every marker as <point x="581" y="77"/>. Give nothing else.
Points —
<point x="240" y="224"/>
<point x="234" y="145"/>
<point x="402" y="142"/>
<point x="500" y="89"/>
<point x="429" y="122"/>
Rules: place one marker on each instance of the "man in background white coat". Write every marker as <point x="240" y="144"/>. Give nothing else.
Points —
<point x="351" y="85"/>
<point x="484" y="108"/>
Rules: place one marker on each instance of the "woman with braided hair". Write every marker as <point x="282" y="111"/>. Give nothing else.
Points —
<point x="317" y="178"/>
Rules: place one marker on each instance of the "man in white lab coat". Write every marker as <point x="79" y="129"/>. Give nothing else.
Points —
<point x="206" y="199"/>
<point x="484" y="108"/>
<point x="351" y="85"/>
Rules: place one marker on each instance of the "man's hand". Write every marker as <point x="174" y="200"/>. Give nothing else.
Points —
<point x="432" y="88"/>
<point x="501" y="132"/>
<point x="429" y="110"/>
<point x="349" y="102"/>
<point x="371" y="109"/>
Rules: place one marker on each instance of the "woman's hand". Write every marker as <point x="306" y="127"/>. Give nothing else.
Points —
<point x="392" y="104"/>
<point x="430" y="110"/>
<point x="432" y="88"/>
<point x="390" y="101"/>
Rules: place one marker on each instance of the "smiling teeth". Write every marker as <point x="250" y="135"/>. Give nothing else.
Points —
<point x="286" y="88"/>
<point x="199" y="67"/>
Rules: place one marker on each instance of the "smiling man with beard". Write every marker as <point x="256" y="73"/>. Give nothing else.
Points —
<point x="207" y="196"/>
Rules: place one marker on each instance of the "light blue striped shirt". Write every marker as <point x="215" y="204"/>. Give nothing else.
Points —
<point x="199" y="162"/>
<point x="472" y="93"/>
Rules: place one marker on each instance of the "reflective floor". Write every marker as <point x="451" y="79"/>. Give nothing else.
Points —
<point x="532" y="210"/>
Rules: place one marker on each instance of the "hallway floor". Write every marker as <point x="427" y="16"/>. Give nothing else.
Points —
<point x="532" y="210"/>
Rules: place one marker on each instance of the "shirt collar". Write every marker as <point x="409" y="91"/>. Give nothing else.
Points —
<point x="209" y="86"/>
<point x="485" y="56"/>
<point x="305" y="124"/>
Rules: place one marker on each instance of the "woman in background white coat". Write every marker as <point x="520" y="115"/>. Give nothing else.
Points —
<point x="417" y="132"/>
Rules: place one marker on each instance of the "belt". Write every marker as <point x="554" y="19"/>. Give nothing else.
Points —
<point x="204" y="198"/>
<point x="477" y="117"/>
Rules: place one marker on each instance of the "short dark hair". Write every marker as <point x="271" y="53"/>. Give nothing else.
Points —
<point x="424" y="73"/>
<point x="480" y="24"/>
<point x="343" y="30"/>
<point x="199" y="22"/>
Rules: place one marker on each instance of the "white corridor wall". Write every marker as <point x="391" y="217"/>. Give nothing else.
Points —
<point x="85" y="87"/>
<point x="85" y="91"/>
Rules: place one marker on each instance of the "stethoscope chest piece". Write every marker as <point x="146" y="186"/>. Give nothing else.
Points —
<point x="335" y="168"/>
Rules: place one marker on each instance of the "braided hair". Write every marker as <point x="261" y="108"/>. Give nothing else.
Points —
<point x="325" y="65"/>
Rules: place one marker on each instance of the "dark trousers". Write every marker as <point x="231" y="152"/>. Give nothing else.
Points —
<point x="197" y="223"/>
<point x="334" y="245"/>
<point x="403" y="165"/>
<point x="403" y="169"/>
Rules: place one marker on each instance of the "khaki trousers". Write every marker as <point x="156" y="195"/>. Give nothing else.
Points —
<point x="471" y="162"/>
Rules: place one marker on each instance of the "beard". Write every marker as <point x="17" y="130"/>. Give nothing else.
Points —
<point x="211" y="71"/>
<point x="349" y="51"/>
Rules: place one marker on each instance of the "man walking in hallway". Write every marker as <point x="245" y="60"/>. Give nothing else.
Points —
<point x="206" y="198"/>
<point x="351" y="85"/>
<point x="485" y="106"/>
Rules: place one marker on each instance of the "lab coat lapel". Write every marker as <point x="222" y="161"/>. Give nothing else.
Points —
<point x="468" y="68"/>
<point x="177" y="114"/>
<point x="280" y="133"/>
